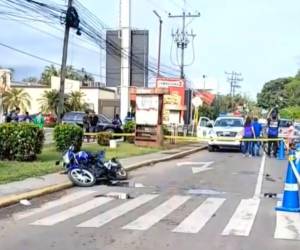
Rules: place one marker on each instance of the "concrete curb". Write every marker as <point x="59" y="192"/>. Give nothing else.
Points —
<point x="12" y="199"/>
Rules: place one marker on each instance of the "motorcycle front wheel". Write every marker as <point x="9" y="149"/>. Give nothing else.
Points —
<point x="121" y="174"/>
<point x="82" y="177"/>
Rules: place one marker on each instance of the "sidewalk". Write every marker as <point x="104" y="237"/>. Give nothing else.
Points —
<point x="53" y="182"/>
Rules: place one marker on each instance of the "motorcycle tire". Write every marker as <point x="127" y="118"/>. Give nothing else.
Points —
<point x="82" y="177"/>
<point x="121" y="174"/>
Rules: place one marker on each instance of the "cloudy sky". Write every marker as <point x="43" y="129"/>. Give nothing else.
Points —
<point x="258" y="38"/>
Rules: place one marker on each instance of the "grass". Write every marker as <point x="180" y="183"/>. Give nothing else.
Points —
<point x="45" y="164"/>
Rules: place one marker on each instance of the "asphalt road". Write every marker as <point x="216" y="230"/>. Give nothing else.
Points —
<point x="203" y="201"/>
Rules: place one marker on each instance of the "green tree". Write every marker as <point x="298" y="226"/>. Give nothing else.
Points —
<point x="75" y="101"/>
<point x="274" y="93"/>
<point x="16" y="98"/>
<point x="71" y="73"/>
<point x="292" y="90"/>
<point x="290" y="112"/>
<point x="49" y="101"/>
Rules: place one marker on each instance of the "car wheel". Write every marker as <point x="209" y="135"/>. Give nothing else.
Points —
<point x="210" y="148"/>
<point x="109" y="130"/>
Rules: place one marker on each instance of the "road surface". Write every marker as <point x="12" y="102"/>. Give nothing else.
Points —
<point x="203" y="201"/>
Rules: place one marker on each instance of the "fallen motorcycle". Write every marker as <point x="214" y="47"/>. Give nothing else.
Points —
<point x="85" y="168"/>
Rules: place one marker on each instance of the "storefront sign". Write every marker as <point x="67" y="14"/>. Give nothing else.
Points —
<point x="147" y="109"/>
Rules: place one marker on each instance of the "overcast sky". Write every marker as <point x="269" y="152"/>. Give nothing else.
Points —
<point x="258" y="38"/>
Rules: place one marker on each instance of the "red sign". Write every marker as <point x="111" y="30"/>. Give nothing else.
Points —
<point x="175" y="100"/>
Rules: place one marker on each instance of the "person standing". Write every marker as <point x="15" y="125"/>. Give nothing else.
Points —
<point x="273" y="131"/>
<point x="27" y="118"/>
<point x="86" y="124"/>
<point x="248" y="135"/>
<point x="117" y="121"/>
<point x="94" y="119"/>
<point x="257" y="128"/>
<point x="290" y="135"/>
<point x="39" y="120"/>
<point x="13" y="116"/>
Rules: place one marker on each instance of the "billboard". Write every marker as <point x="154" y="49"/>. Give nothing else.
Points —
<point x="174" y="102"/>
<point x="147" y="109"/>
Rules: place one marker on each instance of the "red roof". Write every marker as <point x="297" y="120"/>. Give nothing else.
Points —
<point x="206" y="97"/>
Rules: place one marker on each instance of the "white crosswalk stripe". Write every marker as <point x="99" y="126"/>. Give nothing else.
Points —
<point x="72" y="212"/>
<point x="200" y="216"/>
<point x="242" y="220"/>
<point x="114" y="213"/>
<point x="56" y="203"/>
<point x="148" y="220"/>
<point x="240" y="223"/>
<point x="287" y="226"/>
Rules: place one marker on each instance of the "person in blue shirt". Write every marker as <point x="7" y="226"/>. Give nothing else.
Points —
<point x="257" y="133"/>
<point x="273" y="130"/>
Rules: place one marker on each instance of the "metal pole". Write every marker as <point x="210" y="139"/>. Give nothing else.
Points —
<point x="63" y="70"/>
<point x="183" y="44"/>
<point x="159" y="42"/>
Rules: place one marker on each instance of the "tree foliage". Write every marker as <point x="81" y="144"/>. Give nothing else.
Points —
<point x="71" y="74"/>
<point x="16" y="98"/>
<point x="274" y="93"/>
<point x="290" y="112"/>
<point x="75" y="101"/>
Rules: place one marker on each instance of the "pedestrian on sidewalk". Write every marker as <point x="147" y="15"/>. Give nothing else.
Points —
<point x="257" y="128"/>
<point x="39" y="120"/>
<point x="248" y="135"/>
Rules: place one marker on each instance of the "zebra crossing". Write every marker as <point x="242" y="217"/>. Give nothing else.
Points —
<point x="240" y="223"/>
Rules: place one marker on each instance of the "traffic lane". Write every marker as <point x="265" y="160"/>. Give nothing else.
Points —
<point x="230" y="172"/>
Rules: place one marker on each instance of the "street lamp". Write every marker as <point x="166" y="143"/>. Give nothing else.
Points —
<point x="204" y="76"/>
<point x="159" y="42"/>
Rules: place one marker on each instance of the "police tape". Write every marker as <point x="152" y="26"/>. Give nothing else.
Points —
<point x="224" y="139"/>
<point x="113" y="134"/>
<point x="195" y="138"/>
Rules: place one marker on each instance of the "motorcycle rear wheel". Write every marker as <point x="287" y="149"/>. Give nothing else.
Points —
<point x="82" y="177"/>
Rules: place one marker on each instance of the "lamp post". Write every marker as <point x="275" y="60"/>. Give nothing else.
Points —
<point x="159" y="42"/>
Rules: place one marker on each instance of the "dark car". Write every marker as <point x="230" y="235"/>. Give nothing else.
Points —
<point x="104" y="124"/>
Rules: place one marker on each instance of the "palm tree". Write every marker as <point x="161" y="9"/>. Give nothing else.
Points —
<point x="75" y="102"/>
<point x="47" y="73"/>
<point x="16" y="98"/>
<point x="49" y="101"/>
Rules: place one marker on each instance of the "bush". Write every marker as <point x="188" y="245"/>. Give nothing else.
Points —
<point x="166" y="130"/>
<point x="103" y="138"/>
<point x="20" y="141"/>
<point x="129" y="127"/>
<point x="66" y="135"/>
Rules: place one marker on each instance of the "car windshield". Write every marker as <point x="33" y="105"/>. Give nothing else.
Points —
<point x="229" y="122"/>
<point x="284" y="123"/>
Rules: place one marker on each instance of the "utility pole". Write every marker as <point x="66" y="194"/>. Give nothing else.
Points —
<point x="159" y="42"/>
<point x="234" y="79"/>
<point x="182" y="38"/>
<point x="63" y="68"/>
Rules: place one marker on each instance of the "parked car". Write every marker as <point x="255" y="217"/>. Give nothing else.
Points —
<point x="104" y="124"/>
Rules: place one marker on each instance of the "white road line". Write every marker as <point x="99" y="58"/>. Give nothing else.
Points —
<point x="114" y="213"/>
<point x="200" y="216"/>
<point x="148" y="220"/>
<point x="260" y="177"/>
<point x="287" y="226"/>
<point x="72" y="212"/>
<point x="52" y="204"/>
<point x="242" y="220"/>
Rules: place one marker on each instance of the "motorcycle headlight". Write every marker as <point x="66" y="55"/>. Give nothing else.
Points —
<point x="66" y="158"/>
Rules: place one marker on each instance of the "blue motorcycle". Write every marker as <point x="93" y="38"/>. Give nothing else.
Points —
<point x="85" y="168"/>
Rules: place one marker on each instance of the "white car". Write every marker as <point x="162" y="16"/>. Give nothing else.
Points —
<point x="224" y="129"/>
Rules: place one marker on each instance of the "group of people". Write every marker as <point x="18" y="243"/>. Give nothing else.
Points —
<point x="14" y="116"/>
<point x="253" y="129"/>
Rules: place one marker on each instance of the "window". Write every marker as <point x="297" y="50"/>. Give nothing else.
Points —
<point x="229" y="122"/>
